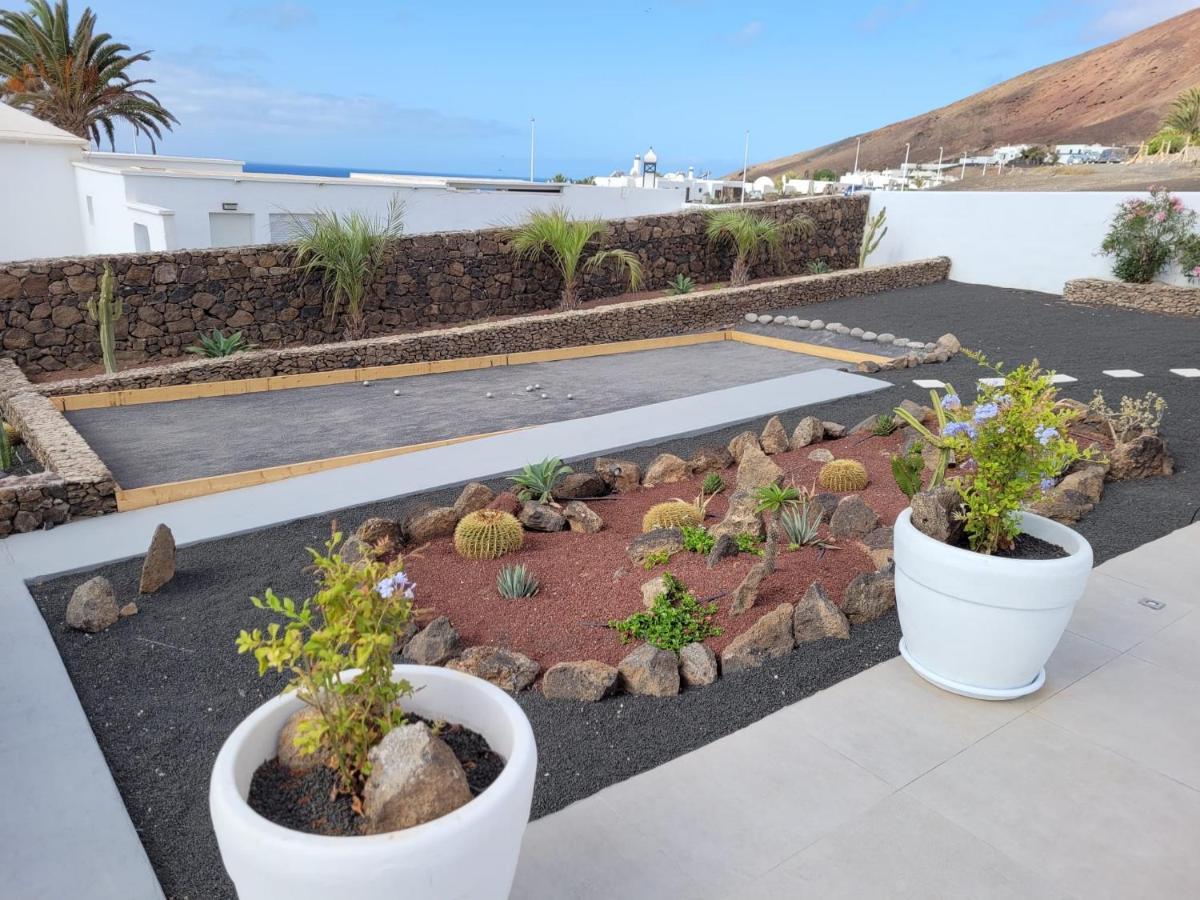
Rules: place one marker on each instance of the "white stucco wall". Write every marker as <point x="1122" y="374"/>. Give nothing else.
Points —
<point x="39" y="216"/>
<point x="1036" y="241"/>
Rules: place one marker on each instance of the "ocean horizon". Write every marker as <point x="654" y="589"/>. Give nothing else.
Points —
<point x="268" y="168"/>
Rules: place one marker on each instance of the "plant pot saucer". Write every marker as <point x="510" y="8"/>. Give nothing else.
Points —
<point x="970" y="690"/>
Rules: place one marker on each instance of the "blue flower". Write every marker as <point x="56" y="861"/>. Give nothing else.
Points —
<point x="397" y="582"/>
<point x="951" y="401"/>
<point x="1048" y="483"/>
<point x="985" y="411"/>
<point x="1004" y="398"/>
<point x="953" y="428"/>
<point x="1045" y="435"/>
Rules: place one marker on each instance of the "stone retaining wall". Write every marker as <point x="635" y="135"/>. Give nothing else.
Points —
<point x="1170" y="300"/>
<point x="427" y="280"/>
<point x="75" y="484"/>
<point x="657" y="317"/>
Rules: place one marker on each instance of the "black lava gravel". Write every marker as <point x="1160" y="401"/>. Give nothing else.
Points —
<point x="164" y="688"/>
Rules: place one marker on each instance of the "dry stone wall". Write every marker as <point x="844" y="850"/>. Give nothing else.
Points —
<point x="427" y="280"/>
<point x="1170" y="300"/>
<point x="639" y="319"/>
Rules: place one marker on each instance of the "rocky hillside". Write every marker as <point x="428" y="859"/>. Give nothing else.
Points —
<point x="1115" y="94"/>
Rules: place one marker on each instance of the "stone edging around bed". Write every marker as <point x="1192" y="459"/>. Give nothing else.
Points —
<point x="639" y="319"/>
<point x="75" y="484"/>
<point x="1167" y="299"/>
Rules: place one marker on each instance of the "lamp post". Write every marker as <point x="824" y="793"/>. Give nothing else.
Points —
<point x="940" y="149"/>
<point x="532" y="145"/>
<point x="904" y="169"/>
<point x="745" y="165"/>
<point x="857" y="147"/>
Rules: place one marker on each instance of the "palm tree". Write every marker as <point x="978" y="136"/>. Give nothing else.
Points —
<point x="553" y="234"/>
<point x="1185" y="114"/>
<point x="771" y="501"/>
<point x="74" y="78"/>
<point x="748" y="233"/>
<point x="347" y="250"/>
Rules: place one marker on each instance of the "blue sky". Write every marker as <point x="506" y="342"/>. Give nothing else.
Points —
<point x="451" y="86"/>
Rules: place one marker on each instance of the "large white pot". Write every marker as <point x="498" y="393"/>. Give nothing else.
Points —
<point x="470" y="853"/>
<point x="984" y="626"/>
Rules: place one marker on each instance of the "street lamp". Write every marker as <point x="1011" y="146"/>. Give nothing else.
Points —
<point x="745" y="165"/>
<point x="532" y="147"/>
<point x="857" y="147"/>
<point x="904" y="169"/>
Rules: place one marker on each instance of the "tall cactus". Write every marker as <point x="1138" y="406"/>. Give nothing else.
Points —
<point x="872" y="236"/>
<point x="105" y="311"/>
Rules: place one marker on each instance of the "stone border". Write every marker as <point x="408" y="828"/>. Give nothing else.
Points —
<point x="656" y="317"/>
<point x="1165" y="299"/>
<point x="75" y="484"/>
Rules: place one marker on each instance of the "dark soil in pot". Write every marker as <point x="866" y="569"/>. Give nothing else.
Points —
<point x="309" y="801"/>
<point x="1026" y="546"/>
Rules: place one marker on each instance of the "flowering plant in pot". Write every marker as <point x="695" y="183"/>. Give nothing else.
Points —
<point x="412" y="818"/>
<point x="984" y="587"/>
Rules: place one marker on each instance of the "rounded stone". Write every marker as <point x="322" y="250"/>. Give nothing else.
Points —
<point x="816" y="324"/>
<point x="868" y="336"/>
<point x="489" y="395"/>
<point x="842" y="329"/>
<point x="537" y="387"/>
<point x="856" y="332"/>
<point x="886" y="338"/>
<point x="366" y="384"/>
<point x="930" y="346"/>
<point x="833" y="326"/>
<point x="764" y="319"/>
<point x="395" y="393"/>
<point x="779" y="320"/>
<point x="915" y="345"/>
<point x="545" y="396"/>
<point x="803" y="323"/>
<point x="570" y="396"/>
<point x="528" y="387"/>
<point x="750" y="317"/>
<point x="900" y="342"/>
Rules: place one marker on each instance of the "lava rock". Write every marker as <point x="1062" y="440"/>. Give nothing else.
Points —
<point x="431" y="524"/>
<point x="580" y="486"/>
<point x="869" y="596"/>
<point x="949" y="344"/>
<point x="768" y="638"/>
<point x="159" y="566"/>
<point x="866" y="425"/>
<point x="774" y="438"/>
<point x="710" y="459"/>
<point x="129" y="609"/>
<point x="415" y="778"/>
<point x="697" y="665"/>
<point x="93" y="606"/>
<point x="935" y="513"/>
<point x="355" y="551"/>
<point x="434" y="644"/>
<point x="651" y="671"/>
<point x="878" y="545"/>
<point x="506" y="669"/>
<point x="828" y="501"/>
<point x="666" y="468"/>
<point x="378" y="533"/>
<point x="816" y="617"/>
<point x="724" y="546"/>
<point x="1145" y="456"/>
<point x="506" y="501"/>
<point x="809" y="430"/>
<point x="834" y="430"/>
<point x="821" y="455"/>
<point x="541" y="517"/>
<point x="922" y="414"/>
<point x="582" y="518"/>
<point x="739" y="444"/>
<point x="853" y="518"/>
<point x="621" y="475"/>
<point x="587" y="681"/>
<point x="745" y="595"/>
<point x="660" y="539"/>
<point x="287" y="752"/>
<point x="652" y="589"/>
<point x="867" y="367"/>
<point x="474" y="497"/>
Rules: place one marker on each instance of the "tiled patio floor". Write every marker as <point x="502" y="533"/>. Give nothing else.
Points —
<point x="885" y="786"/>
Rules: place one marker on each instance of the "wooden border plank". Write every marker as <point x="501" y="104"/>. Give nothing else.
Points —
<point x="762" y="340"/>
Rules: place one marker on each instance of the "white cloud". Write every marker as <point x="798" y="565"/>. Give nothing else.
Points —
<point x="284" y="16"/>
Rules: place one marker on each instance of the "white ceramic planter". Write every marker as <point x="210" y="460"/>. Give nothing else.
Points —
<point x="983" y="626"/>
<point x="469" y="854"/>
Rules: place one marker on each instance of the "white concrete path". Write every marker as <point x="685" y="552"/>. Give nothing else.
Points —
<point x="885" y="786"/>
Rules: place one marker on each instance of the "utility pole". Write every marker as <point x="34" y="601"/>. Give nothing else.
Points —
<point x="532" y="145"/>
<point x="857" y="147"/>
<point x="904" y="169"/>
<point x="745" y="166"/>
<point x="939" y="177"/>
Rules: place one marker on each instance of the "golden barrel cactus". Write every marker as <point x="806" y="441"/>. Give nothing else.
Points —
<point x="488" y="534"/>
<point x="671" y="514"/>
<point x="843" y="475"/>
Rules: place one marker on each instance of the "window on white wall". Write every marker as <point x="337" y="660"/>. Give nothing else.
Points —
<point x="141" y="238"/>
<point x="281" y="225"/>
<point x="230" y="229"/>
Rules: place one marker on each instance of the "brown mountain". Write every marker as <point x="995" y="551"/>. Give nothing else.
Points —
<point x="1115" y="94"/>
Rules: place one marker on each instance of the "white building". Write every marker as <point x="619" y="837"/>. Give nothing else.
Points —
<point x="1078" y="154"/>
<point x="62" y="200"/>
<point x="643" y="173"/>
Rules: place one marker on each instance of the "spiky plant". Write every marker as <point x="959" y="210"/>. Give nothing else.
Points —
<point x="515" y="582"/>
<point x="6" y="450"/>
<point x="843" y="475"/>
<point x="907" y="469"/>
<point x="872" y="235"/>
<point x="488" y="534"/>
<point x="884" y="425"/>
<point x="536" y="481"/>
<point x="817" y="267"/>
<point x="1184" y="115"/>
<point x="671" y="514"/>
<point x="346" y="250"/>
<point x="105" y="310"/>
<point x="713" y="484"/>
<point x="801" y="522"/>
<point x="771" y="500"/>
<point x="681" y="284"/>
<point x="555" y="235"/>
<point x="218" y="344"/>
<point x="751" y="234"/>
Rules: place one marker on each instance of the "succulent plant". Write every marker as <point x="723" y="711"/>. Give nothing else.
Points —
<point x="515" y="582"/>
<point x="713" y="484"/>
<point x="672" y="514"/>
<point x="843" y="475"/>
<point x="488" y="534"/>
<point x="105" y="310"/>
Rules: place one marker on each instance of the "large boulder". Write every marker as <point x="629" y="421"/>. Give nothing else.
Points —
<point x="586" y="681"/>
<point x="869" y="596"/>
<point x="817" y="617"/>
<point x="741" y="517"/>
<point x="774" y="437"/>
<point x="434" y="644"/>
<point x="935" y="513"/>
<point x="948" y="344"/>
<point x="739" y="444"/>
<point x="853" y="518"/>
<point x="755" y="470"/>
<point x="541" y="517"/>
<point x="580" y="486"/>
<point x="650" y="670"/>
<point x="93" y="606"/>
<point x="697" y="665"/>
<point x="1145" y="456"/>
<point x="415" y="778"/>
<point x="745" y="595"/>
<point x="506" y="669"/>
<point x="582" y="518"/>
<point x="474" y="497"/>
<point x="621" y="475"/>
<point x="430" y="524"/>
<point x="666" y="468"/>
<point x="159" y="566"/>
<point x="768" y="638"/>
<point x="656" y="541"/>
<point x="710" y="459"/>
<point x="809" y="430"/>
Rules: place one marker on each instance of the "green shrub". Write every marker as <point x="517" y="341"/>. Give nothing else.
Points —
<point x="712" y="485"/>
<point x="681" y="284"/>
<point x="351" y="622"/>
<point x="6" y="450"/>
<point x="515" y="582"/>
<point x="824" y="175"/>
<point x="656" y="558"/>
<point x="216" y="344"/>
<point x="675" y="619"/>
<point x="907" y="469"/>
<point x="884" y="425"/>
<point x="1147" y="235"/>
<point x="696" y="539"/>
<point x="817" y="267"/>
<point x="536" y="481"/>
<point x="748" y="543"/>
<point x="1132" y="417"/>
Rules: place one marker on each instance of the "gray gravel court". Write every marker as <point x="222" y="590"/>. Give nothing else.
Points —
<point x="156" y="443"/>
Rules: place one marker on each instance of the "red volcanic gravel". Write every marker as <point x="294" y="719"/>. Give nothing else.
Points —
<point x="588" y="579"/>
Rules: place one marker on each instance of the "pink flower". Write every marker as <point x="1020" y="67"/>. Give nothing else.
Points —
<point x="1196" y="272"/>
<point x="1176" y="204"/>
<point x="1160" y="217"/>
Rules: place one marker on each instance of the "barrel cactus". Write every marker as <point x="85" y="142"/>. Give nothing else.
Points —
<point x="843" y="475"/>
<point x="672" y="514"/>
<point x="488" y="534"/>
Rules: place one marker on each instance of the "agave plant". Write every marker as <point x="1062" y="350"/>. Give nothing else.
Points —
<point x="218" y="344"/>
<point x="681" y="284"/>
<point x="817" y="267"/>
<point x="553" y="234"/>
<point x="751" y="234"/>
<point x="74" y="77"/>
<point x="536" y="481"/>
<point x="713" y="484"/>
<point x="772" y="501"/>
<point x="801" y="522"/>
<point x="515" y="582"/>
<point x="347" y="251"/>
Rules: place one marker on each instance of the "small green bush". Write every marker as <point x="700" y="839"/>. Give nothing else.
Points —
<point x="216" y="344"/>
<point x="536" y="481"/>
<point x="1147" y="235"/>
<point x="656" y="558"/>
<point x="817" y="267"/>
<point x="696" y="539"/>
<point x="681" y="284"/>
<point x="884" y="425"/>
<point x="675" y="620"/>
<point x="907" y="469"/>
<point x="748" y="543"/>
<point x="712" y="485"/>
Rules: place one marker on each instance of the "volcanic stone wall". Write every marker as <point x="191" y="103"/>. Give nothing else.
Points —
<point x="1170" y="300"/>
<point x="426" y="280"/>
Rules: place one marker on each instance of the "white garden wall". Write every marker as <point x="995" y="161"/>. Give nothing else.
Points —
<point x="1036" y="241"/>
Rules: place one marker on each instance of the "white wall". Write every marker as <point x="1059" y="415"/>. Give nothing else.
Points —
<point x="39" y="216"/>
<point x="1036" y="241"/>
